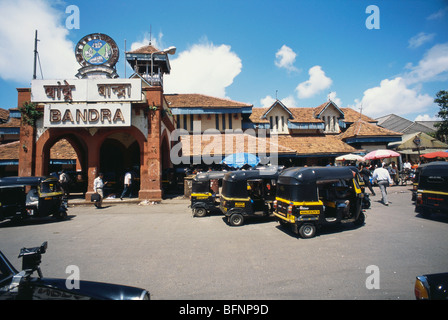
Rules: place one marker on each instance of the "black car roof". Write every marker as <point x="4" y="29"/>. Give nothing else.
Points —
<point x="310" y="174"/>
<point x="17" y="181"/>
<point x="252" y="174"/>
<point x="209" y="175"/>
<point x="434" y="168"/>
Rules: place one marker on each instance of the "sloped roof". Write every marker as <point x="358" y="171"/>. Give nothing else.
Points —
<point x="309" y="115"/>
<point x="218" y="145"/>
<point x="316" y="145"/>
<point x="363" y="128"/>
<point x="145" y="50"/>
<point x="194" y="100"/>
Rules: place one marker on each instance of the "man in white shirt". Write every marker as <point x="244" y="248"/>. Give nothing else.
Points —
<point x="382" y="177"/>
<point x="98" y="186"/>
<point x="127" y="185"/>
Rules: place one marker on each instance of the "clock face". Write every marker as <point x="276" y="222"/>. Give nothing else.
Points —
<point x="96" y="49"/>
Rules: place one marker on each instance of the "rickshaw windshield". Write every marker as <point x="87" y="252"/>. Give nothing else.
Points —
<point x="200" y="186"/>
<point x="297" y="193"/>
<point x="49" y="187"/>
<point x="234" y="189"/>
<point x="434" y="182"/>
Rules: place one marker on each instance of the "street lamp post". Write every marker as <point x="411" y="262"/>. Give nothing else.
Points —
<point x="170" y="50"/>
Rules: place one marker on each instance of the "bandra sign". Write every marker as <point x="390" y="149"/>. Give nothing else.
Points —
<point x="87" y="115"/>
<point x="86" y="102"/>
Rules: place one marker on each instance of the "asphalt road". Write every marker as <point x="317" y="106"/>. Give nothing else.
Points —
<point x="164" y="249"/>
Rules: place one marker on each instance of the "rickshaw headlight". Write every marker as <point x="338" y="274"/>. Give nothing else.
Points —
<point x="421" y="289"/>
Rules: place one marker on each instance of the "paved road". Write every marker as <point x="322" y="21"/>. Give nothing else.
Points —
<point x="164" y="249"/>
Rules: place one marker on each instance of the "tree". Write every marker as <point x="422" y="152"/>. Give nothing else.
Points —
<point x="442" y="126"/>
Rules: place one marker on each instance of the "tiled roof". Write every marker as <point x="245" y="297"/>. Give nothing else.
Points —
<point x="9" y="151"/>
<point x="239" y="142"/>
<point x="362" y="128"/>
<point x="316" y="145"/>
<point x="351" y="115"/>
<point x="61" y="150"/>
<point x="145" y="50"/>
<point x="201" y="101"/>
<point x="308" y="115"/>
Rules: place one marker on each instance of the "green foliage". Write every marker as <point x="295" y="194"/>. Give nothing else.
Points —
<point x="442" y="127"/>
<point x="30" y="113"/>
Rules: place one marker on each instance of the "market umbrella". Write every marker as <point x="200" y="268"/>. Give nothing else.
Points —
<point x="436" y="154"/>
<point x="238" y="160"/>
<point x="350" y="157"/>
<point x="381" y="154"/>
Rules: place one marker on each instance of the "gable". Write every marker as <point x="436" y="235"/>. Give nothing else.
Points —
<point x="276" y="108"/>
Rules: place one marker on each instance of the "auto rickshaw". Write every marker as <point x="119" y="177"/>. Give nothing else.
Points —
<point x="432" y="190"/>
<point x="310" y="197"/>
<point x="203" y="194"/>
<point x="22" y="197"/>
<point x="248" y="193"/>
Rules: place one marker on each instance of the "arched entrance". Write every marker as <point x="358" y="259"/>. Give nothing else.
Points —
<point x="119" y="153"/>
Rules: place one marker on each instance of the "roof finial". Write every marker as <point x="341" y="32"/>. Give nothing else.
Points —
<point x="150" y="34"/>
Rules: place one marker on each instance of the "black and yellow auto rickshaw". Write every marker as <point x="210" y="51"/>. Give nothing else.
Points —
<point x="248" y="193"/>
<point x="22" y="197"/>
<point x="203" y="196"/>
<point x="310" y="197"/>
<point x="432" y="190"/>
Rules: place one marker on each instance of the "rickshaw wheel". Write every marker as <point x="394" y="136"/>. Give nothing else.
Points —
<point x="236" y="220"/>
<point x="361" y="219"/>
<point x="307" y="230"/>
<point x="200" y="212"/>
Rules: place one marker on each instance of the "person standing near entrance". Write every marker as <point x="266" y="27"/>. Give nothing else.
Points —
<point x="382" y="177"/>
<point x="98" y="186"/>
<point x="127" y="185"/>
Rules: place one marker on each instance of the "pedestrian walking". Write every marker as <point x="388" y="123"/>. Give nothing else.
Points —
<point x="64" y="181"/>
<point x="98" y="186"/>
<point x="127" y="185"/>
<point x="382" y="177"/>
<point x="366" y="174"/>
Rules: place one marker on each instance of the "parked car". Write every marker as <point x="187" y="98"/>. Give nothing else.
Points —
<point x="431" y="287"/>
<point x="23" y="285"/>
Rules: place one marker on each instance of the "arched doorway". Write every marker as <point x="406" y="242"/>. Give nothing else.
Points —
<point x="119" y="153"/>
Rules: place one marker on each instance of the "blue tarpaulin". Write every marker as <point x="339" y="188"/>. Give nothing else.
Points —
<point x="238" y="160"/>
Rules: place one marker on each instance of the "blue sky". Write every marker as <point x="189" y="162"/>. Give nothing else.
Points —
<point x="300" y="51"/>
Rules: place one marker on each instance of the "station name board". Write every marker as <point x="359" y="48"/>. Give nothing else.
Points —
<point x="87" y="115"/>
<point x="86" y="90"/>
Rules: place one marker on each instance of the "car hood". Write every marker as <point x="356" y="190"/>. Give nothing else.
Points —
<point x="50" y="288"/>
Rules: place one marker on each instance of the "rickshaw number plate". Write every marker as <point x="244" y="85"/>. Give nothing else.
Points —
<point x="240" y="204"/>
<point x="310" y="212"/>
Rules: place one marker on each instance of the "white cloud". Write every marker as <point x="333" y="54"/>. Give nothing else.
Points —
<point x="268" y="101"/>
<point x="420" y="39"/>
<point x="426" y="117"/>
<point x="317" y="82"/>
<point x="433" y="66"/>
<point x="205" y="68"/>
<point x="147" y="38"/>
<point x="19" y="20"/>
<point x="401" y="95"/>
<point x="332" y="97"/>
<point x="393" y="96"/>
<point x="438" y="15"/>
<point x="285" y="58"/>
